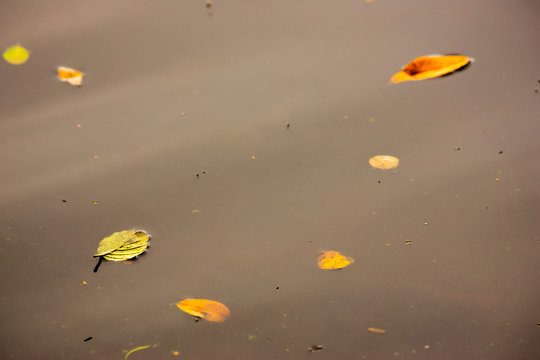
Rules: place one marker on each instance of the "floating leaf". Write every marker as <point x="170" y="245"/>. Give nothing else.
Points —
<point x="432" y="66"/>
<point x="69" y="75"/>
<point x="123" y="245"/>
<point x="384" y="162"/>
<point x="376" y="330"/>
<point x="333" y="260"/>
<point x="136" y="349"/>
<point x="16" y="55"/>
<point x="205" y="309"/>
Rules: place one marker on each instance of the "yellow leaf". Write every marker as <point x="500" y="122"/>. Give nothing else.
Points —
<point x="123" y="245"/>
<point x="16" y="55"/>
<point x="432" y="66"/>
<point x="384" y="162"/>
<point x="136" y="349"/>
<point x="205" y="309"/>
<point x="333" y="260"/>
<point x="376" y="330"/>
<point x="69" y="75"/>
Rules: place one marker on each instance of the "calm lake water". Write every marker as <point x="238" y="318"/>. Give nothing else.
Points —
<point x="277" y="105"/>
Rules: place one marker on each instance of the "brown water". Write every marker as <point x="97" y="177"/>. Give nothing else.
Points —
<point x="173" y="88"/>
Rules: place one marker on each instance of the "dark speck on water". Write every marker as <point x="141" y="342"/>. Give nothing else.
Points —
<point x="315" y="348"/>
<point x="88" y="338"/>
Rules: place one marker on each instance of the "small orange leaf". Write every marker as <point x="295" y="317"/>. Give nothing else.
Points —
<point x="205" y="309"/>
<point x="384" y="162"/>
<point x="432" y="66"/>
<point x="71" y="76"/>
<point x="376" y="330"/>
<point x="329" y="260"/>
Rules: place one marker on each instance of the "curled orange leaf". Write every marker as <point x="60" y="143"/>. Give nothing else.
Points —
<point x="69" y="75"/>
<point x="209" y="310"/>
<point x="432" y="66"/>
<point x="329" y="260"/>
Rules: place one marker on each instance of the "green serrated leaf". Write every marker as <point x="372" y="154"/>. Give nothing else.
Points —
<point x="123" y="245"/>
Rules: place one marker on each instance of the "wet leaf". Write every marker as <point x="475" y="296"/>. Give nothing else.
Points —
<point x="432" y="66"/>
<point x="333" y="260"/>
<point x="129" y="352"/>
<point x="376" y="330"/>
<point x="16" y="55"/>
<point x="384" y="162"/>
<point x="208" y="310"/>
<point x="69" y="75"/>
<point x="123" y="245"/>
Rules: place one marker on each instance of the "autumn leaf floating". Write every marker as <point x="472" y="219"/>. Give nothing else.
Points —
<point x="384" y="162"/>
<point x="16" y="55"/>
<point x="429" y="67"/>
<point x="208" y="310"/>
<point x="69" y="75"/>
<point x="330" y="260"/>
<point x="123" y="245"/>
